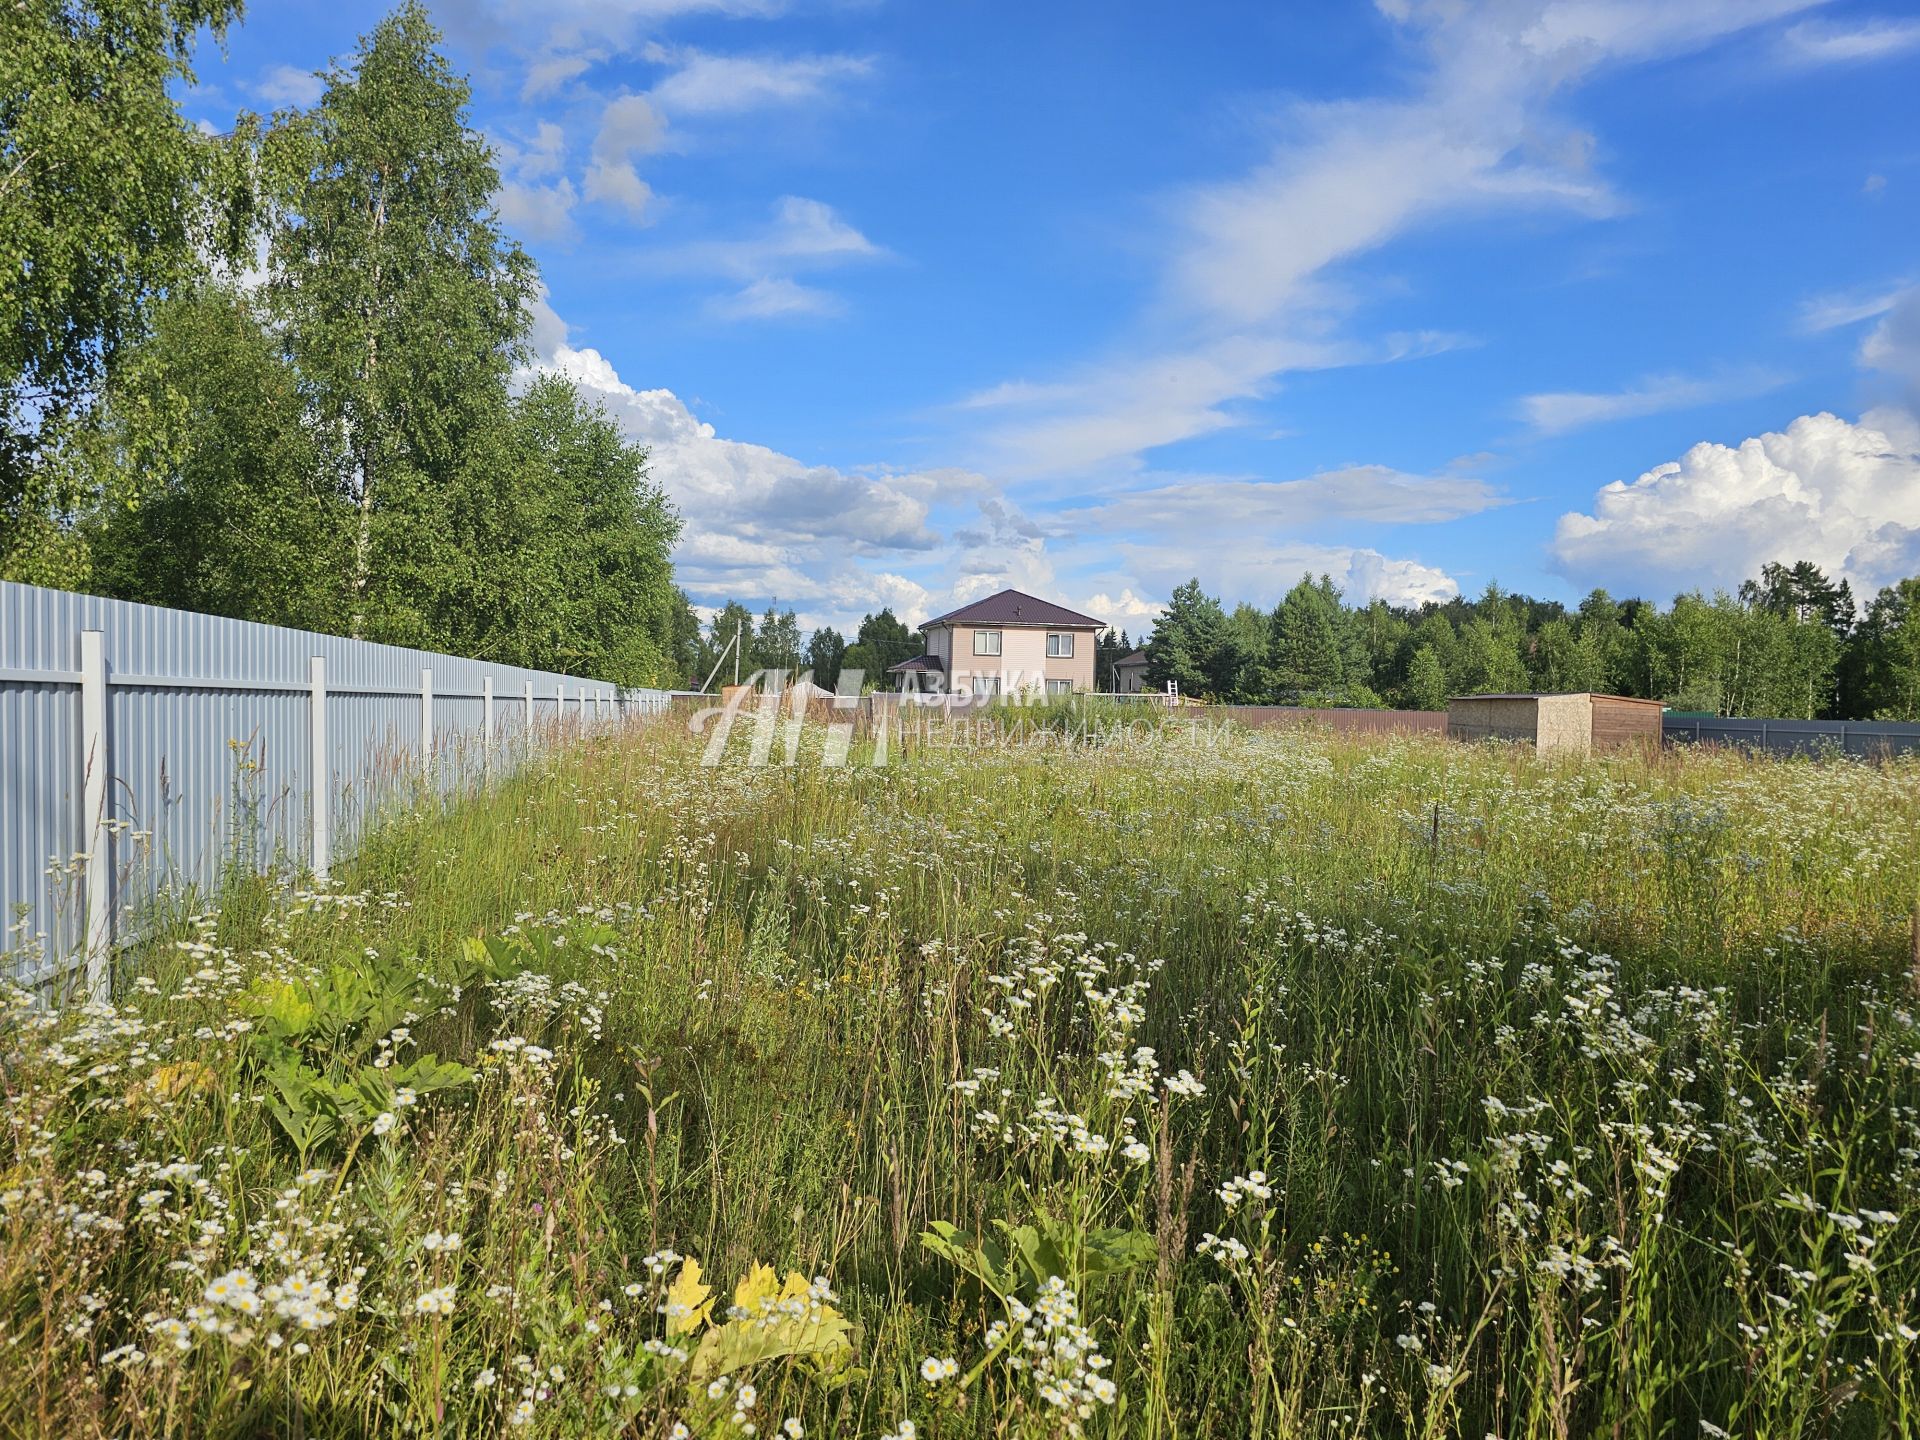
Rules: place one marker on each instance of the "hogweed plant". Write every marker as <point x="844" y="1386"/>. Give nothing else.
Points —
<point x="1277" y="1085"/>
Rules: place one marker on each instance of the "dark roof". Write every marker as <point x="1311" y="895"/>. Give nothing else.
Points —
<point x="918" y="664"/>
<point x="1560" y="695"/>
<point x="1014" y="607"/>
<point x="1137" y="657"/>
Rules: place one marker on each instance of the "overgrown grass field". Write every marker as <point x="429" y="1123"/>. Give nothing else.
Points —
<point x="1209" y="1084"/>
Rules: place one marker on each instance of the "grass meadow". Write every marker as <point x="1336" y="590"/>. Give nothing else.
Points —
<point x="1205" y="1084"/>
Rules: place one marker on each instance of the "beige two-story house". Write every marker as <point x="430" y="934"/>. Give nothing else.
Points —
<point x="1011" y="643"/>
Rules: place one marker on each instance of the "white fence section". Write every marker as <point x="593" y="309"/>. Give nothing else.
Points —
<point x="143" y="750"/>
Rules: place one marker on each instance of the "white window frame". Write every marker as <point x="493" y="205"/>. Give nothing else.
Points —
<point x="1059" y="687"/>
<point x="980" y="645"/>
<point x="986" y="687"/>
<point x="1059" y="645"/>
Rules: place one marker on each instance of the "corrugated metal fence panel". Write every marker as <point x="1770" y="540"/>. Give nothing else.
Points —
<point x="1796" y="737"/>
<point x="209" y="744"/>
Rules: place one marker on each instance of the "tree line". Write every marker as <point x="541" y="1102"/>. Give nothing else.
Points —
<point x="280" y="373"/>
<point x="1789" y="643"/>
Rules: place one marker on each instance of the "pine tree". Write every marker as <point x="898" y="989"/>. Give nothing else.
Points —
<point x="1189" y="646"/>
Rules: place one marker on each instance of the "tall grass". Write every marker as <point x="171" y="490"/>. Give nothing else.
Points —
<point x="1167" y="1082"/>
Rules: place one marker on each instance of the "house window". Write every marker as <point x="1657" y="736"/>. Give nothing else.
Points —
<point x="986" y="642"/>
<point x="1059" y="687"/>
<point x="1059" y="647"/>
<point x="986" y="686"/>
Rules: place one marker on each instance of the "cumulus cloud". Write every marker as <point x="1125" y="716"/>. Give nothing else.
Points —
<point x="750" y="490"/>
<point x="1893" y="347"/>
<point x="760" y="524"/>
<point x="535" y="198"/>
<point x="537" y="212"/>
<point x="629" y="126"/>
<point x="1844" y="495"/>
<point x="1263" y="573"/>
<point x="289" y="85"/>
<point x="1559" y="412"/>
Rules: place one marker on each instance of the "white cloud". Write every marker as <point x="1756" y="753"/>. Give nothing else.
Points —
<point x="706" y="84"/>
<point x="1844" y="495"/>
<point x="1893" y="346"/>
<point x="760" y="524"/>
<point x="1114" y="413"/>
<point x="775" y="298"/>
<point x="1125" y="611"/>
<point x="629" y="126"/>
<point x="535" y="199"/>
<point x="1812" y="43"/>
<point x="548" y="74"/>
<point x="1261" y="574"/>
<point x="1558" y="412"/>
<point x="801" y="234"/>
<point x="1252" y="285"/>
<point x="289" y="85"/>
<point x="1831" y="312"/>
<point x="750" y="490"/>
<point x="537" y="212"/>
<point x="1373" y="494"/>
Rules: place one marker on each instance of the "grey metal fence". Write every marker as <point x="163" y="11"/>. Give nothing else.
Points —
<point x="144" y="749"/>
<point x="1866" y="739"/>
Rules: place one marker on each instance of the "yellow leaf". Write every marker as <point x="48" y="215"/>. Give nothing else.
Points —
<point x="689" y="1303"/>
<point x="169" y="1082"/>
<point x="759" y="1285"/>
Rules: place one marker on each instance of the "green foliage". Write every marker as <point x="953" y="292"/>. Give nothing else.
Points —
<point x="208" y="460"/>
<point x="776" y="643"/>
<point x="1884" y="663"/>
<point x="1190" y="645"/>
<point x="1306" y="652"/>
<point x="340" y="449"/>
<point x="108" y="198"/>
<point x="1786" y="646"/>
<point x="1478" y="1058"/>
<point x="405" y="310"/>
<point x="1025" y="1257"/>
<point x="826" y="652"/>
<point x="322" y="1047"/>
<point x="881" y="642"/>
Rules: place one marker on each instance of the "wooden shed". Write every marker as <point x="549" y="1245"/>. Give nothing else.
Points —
<point x="1570" y="724"/>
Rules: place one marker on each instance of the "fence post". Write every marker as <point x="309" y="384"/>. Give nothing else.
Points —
<point x="426" y="718"/>
<point x="93" y="790"/>
<point x="526" y="735"/>
<point x="320" y="772"/>
<point x="486" y="724"/>
<point x="560" y="704"/>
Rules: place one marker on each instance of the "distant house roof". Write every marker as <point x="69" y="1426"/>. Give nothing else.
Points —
<point x="1015" y="607"/>
<point x="1136" y="657"/>
<point x="919" y="665"/>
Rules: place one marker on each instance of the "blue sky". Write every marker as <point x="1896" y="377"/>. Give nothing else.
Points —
<point x="912" y="301"/>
